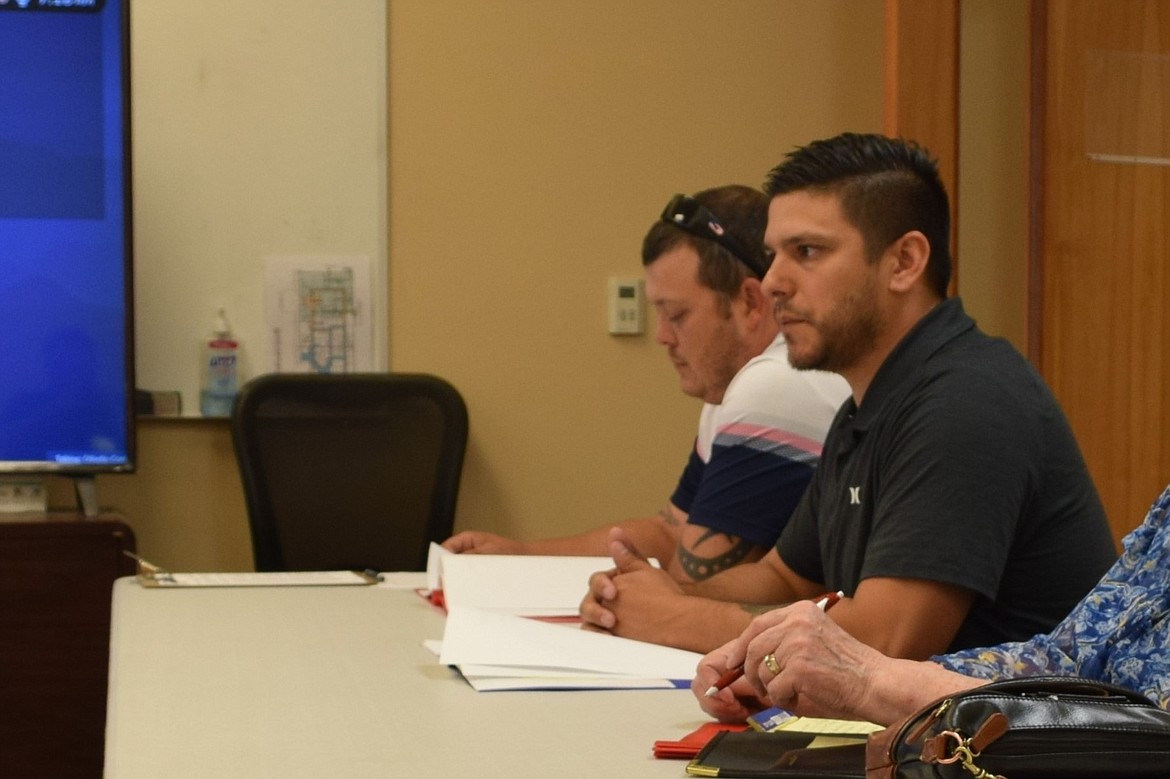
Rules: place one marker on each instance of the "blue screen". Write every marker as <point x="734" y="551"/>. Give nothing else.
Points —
<point x="65" y="288"/>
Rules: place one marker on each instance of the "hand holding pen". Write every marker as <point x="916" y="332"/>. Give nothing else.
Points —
<point x="824" y="603"/>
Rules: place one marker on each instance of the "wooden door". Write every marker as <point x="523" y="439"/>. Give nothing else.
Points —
<point x="1099" y="323"/>
<point x="921" y="80"/>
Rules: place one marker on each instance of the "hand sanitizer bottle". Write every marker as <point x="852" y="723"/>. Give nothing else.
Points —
<point x="220" y="370"/>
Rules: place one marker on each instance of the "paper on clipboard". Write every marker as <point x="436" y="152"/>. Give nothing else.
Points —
<point x="165" y="579"/>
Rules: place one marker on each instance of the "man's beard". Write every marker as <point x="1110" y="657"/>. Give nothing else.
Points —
<point x="847" y="333"/>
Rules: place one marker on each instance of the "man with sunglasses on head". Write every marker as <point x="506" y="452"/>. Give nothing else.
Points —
<point x="952" y="507"/>
<point x="762" y="422"/>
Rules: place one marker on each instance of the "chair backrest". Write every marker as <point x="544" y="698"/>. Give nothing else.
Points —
<point x="348" y="471"/>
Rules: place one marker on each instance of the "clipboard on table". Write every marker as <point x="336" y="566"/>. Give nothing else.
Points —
<point x="154" y="576"/>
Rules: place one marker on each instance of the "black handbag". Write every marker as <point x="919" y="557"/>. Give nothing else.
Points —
<point x="1029" y="728"/>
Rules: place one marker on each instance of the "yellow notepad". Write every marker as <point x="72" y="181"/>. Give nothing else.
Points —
<point x="771" y="720"/>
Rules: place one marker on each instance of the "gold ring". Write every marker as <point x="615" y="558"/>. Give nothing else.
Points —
<point x="773" y="666"/>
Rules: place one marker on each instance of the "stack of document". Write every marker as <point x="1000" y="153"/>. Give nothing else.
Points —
<point x="496" y="651"/>
<point x="491" y="638"/>
<point x="527" y="585"/>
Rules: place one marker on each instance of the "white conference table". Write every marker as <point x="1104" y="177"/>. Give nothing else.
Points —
<point x="290" y="682"/>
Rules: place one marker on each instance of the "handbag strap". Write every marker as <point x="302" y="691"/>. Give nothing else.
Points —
<point x="879" y="752"/>
<point x="1062" y="685"/>
<point x="949" y="747"/>
<point x="880" y="746"/>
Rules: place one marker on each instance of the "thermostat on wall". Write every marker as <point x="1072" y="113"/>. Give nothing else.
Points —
<point x="625" y="306"/>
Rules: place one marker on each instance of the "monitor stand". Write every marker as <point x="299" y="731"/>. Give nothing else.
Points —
<point x="86" y="487"/>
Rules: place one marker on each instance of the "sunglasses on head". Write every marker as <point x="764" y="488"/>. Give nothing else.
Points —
<point x="689" y="215"/>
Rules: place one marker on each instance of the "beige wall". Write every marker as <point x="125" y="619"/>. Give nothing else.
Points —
<point x="530" y="145"/>
<point x="993" y="166"/>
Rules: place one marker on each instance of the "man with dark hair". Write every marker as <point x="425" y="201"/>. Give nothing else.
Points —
<point x="762" y="423"/>
<point x="886" y="189"/>
<point x="952" y="506"/>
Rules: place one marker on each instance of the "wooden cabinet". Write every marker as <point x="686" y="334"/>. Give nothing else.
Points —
<point x="56" y="576"/>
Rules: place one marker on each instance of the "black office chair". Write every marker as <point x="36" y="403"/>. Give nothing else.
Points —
<point x="348" y="471"/>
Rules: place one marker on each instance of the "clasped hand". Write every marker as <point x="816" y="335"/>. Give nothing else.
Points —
<point x="633" y="599"/>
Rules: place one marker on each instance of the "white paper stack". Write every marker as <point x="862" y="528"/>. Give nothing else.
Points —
<point x="527" y="585"/>
<point x="497" y="651"/>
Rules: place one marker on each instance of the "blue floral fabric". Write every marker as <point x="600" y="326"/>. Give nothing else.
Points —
<point x="1119" y="633"/>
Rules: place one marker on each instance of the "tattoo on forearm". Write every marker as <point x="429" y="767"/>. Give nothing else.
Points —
<point x="668" y="516"/>
<point x="755" y="609"/>
<point x="699" y="568"/>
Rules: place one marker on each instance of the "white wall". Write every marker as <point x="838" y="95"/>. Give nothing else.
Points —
<point x="259" y="129"/>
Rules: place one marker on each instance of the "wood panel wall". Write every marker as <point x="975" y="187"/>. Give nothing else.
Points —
<point x="1101" y="215"/>
<point x="922" y="87"/>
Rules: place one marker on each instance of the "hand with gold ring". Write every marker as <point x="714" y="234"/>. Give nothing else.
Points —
<point x="804" y="662"/>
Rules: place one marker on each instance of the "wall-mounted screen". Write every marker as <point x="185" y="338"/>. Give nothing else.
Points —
<point x="66" y="397"/>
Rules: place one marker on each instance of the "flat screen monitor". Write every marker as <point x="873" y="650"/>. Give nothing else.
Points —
<point x="66" y="317"/>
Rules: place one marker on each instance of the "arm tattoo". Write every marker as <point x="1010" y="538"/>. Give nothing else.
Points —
<point x="756" y="609"/>
<point x="700" y="568"/>
<point x="668" y="516"/>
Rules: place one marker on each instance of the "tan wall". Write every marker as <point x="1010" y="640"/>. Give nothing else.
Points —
<point x="993" y="166"/>
<point x="531" y="144"/>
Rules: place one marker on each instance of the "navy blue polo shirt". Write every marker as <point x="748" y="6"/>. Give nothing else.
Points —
<point x="958" y="467"/>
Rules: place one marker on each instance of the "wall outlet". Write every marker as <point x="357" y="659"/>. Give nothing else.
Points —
<point x="21" y="496"/>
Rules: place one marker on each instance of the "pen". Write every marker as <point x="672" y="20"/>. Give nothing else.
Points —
<point x="149" y="570"/>
<point x="142" y="561"/>
<point x="824" y="603"/>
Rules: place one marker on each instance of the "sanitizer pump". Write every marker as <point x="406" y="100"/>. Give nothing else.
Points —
<point x="220" y="370"/>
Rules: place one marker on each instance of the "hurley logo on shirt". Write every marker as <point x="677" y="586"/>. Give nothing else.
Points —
<point x="855" y="496"/>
